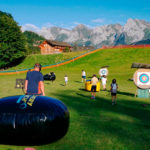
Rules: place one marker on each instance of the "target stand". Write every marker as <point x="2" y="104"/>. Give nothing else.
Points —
<point x="143" y="93"/>
<point x="20" y="83"/>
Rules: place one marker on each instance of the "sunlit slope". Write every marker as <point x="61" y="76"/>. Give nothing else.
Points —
<point x="117" y="59"/>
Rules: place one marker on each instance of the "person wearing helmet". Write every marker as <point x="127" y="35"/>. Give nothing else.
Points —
<point x="34" y="84"/>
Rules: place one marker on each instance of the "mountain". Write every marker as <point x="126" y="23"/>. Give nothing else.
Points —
<point x="114" y="34"/>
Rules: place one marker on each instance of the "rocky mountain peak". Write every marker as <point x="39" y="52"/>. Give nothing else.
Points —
<point x="80" y="26"/>
<point x="134" y="30"/>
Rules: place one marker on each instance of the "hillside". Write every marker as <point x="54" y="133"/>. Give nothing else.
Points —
<point x="33" y="39"/>
<point x="95" y="124"/>
<point x="30" y="60"/>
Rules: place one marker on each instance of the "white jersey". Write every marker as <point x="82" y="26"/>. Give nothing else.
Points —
<point x="66" y="79"/>
<point x="104" y="80"/>
<point x="83" y="73"/>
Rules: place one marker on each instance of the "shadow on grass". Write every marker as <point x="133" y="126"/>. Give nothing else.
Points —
<point x="126" y="93"/>
<point x="82" y="90"/>
<point x="46" y="83"/>
<point x="78" y="81"/>
<point x="82" y="95"/>
<point x="126" y="123"/>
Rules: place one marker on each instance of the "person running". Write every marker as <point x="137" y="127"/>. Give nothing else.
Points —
<point x="94" y="82"/>
<point x="66" y="79"/>
<point x="113" y="89"/>
<point x="34" y="84"/>
<point x="83" y="75"/>
<point x="104" y="80"/>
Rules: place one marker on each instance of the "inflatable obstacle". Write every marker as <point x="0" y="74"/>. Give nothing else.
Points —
<point x="32" y="120"/>
<point x="88" y="86"/>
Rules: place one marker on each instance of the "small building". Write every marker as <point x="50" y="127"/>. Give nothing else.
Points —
<point x="54" y="47"/>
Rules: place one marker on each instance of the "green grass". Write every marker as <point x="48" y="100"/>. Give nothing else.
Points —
<point x="96" y="125"/>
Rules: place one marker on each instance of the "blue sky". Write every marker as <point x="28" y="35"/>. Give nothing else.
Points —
<point x="69" y="13"/>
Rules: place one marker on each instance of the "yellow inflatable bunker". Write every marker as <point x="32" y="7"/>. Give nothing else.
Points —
<point x="88" y="86"/>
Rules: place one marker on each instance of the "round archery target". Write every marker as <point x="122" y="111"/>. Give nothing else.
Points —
<point x="142" y="78"/>
<point x="103" y="71"/>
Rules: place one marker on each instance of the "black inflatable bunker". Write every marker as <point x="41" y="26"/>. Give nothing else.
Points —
<point x="32" y="120"/>
<point x="51" y="76"/>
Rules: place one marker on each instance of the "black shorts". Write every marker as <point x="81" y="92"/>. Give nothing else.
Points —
<point x="93" y="88"/>
<point x="113" y="94"/>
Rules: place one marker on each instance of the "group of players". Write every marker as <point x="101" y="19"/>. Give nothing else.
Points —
<point x="34" y="83"/>
<point x="103" y="78"/>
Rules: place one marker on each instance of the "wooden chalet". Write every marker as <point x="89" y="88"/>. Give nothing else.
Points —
<point x="53" y="47"/>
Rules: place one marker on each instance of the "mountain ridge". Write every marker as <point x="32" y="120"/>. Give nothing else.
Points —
<point x="113" y="34"/>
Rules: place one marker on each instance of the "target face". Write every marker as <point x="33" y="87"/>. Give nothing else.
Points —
<point x="142" y="78"/>
<point x="103" y="71"/>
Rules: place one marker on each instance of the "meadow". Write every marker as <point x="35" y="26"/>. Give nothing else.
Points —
<point x="94" y="124"/>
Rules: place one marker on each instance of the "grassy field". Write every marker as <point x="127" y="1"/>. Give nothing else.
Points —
<point x="96" y="125"/>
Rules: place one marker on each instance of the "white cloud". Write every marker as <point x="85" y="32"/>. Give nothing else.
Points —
<point x="99" y="20"/>
<point x="76" y="23"/>
<point x="48" y="24"/>
<point x="30" y="27"/>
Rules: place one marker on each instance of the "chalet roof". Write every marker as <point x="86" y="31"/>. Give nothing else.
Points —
<point x="57" y="43"/>
<point x="139" y="65"/>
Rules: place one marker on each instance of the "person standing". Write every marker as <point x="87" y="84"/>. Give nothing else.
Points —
<point x="66" y="79"/>
<point x="34" y="84"/>
<point x="83" y="75"/>
<point x="104" y="81"/>
<point x="113" y="89"/>
<point x="94" y="82"/>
